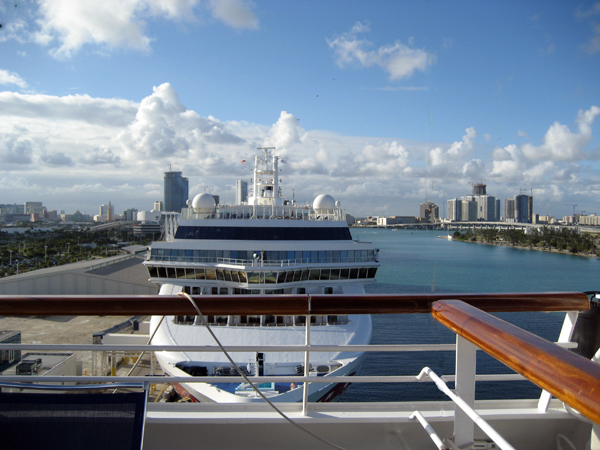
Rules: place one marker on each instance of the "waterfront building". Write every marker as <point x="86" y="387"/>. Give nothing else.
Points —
<point x="509" y="209"/>
<point x="591" y="220"/>
<point x="241" y="192"/>
<point x="486" y="208"/>
<point x="429" y="212"/>
<point x="176" y="190"/>
<point x="455" y="210"/>
<point x="396" y="220"/>
<point x="479" y="189"/>
<point x="130" y="214"/>
<point x="469" y="209"/>
<point x="32" y="207"/>
<point x="523" y="208"/>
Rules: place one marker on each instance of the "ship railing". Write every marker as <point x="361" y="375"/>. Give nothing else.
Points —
<point x="277" y="212"/>
<point x="258" y="263"/>
<point x="571" y="378"/>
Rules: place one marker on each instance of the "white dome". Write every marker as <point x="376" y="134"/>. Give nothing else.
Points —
<point x="203" y="201"/>
<point x="324" y="201"/>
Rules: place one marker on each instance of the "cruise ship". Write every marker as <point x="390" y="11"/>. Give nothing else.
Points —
<point x="268" y="245"/>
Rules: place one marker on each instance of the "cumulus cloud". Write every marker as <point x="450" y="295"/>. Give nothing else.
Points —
<point x="7" y="78"/>
<point x="450" y="161"/>
<point x="56" y="159"/>
<point x="562" y="144"/>
<point x="16" y="147"/>
<point x="100" y="155"/>
<point x="284" y="133"/>
<point x="163" y="127"/>
<point x="66" y="26"/>
<point x="398" y="60"/>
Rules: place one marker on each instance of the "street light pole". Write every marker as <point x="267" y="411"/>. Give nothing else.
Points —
<point x="10" y="258"/>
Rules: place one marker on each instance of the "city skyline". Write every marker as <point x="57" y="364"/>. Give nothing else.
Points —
<point x="382" y="106"/>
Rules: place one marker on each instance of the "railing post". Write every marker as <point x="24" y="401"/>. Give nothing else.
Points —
<point x="306" y="366"/>
<point x="566" y="333"/>
<point x="466" y="358"/>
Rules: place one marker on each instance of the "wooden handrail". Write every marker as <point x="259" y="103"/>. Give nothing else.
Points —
<point x="127" y="305"/>
<point x="570" y="377"/>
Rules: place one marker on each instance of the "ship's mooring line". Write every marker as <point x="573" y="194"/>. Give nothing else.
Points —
<point x="281" y="413"/>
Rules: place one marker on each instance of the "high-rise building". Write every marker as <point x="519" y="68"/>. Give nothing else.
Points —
<point x="509" y="209"/>
<point x="523" y="208"/>
<point x="469" y="209"/>
<point x="241" y="192"/>
<point x="429" y="212"/>
<point x="32" y="207"/>
<point x="479" y="189"/>
<point x="158" y="206"/>
<point x="455" y="210"/>
<point x="176" y="191"/>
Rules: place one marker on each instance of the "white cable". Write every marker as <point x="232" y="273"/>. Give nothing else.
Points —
<point x="301" y="428"/>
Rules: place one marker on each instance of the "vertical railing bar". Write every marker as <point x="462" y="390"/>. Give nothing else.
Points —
<point x="306" y="359"/>
<point x="565" y="335"/>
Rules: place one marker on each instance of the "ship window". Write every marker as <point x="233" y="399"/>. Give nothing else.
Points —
<point x="222" y="320"/>
<point x="372" y="272"/>
<point x="200" y="274"/>
<point x="322" y="256"/>
<point x="344" y="273"/>
<point x="363" y="272"/>
<point x="281" y="277"/>
<point x="210" y="254"/>
<point x="186" y="289"/>
<point x="269" y="319"/>
<point x="220" y="275"/>
<point x="306" y="256"/>
<point x="253" y="277"/>
<point x="162" y="272"/>
<point x="214" y="290"/>
<point x="325" y="274"/>
<point x="335" y="274"/>
<point x="195" y="290"/>
<point x="211" y="274"/>
<point x="227" y="274"/>
<point x="304" y="277"/>
<point x="180" y="272"/>
<point x="301" y="291"/>
<point x="297" y="275"/>
<point x="223" y="291"/>
<point x="243" y="277"/>
<point x="314" y="275"/>
<point x="189" y="274"/>
<point x="328" y="290"/>
<point x="203" y="254"/>
<point x="353" y="274"/>
<point x="152" y="271"/>
<point x="270" y="277"/>
<point x="234" y="276"/>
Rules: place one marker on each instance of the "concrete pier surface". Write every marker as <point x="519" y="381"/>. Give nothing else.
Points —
<point x="76" y="329"/>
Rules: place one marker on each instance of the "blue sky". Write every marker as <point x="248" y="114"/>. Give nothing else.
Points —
<point x="382" y="105"/>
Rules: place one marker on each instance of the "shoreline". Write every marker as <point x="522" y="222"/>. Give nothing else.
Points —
<point x="525" y="247"/>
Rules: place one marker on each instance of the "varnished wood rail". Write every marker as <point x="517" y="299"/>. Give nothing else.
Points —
<point x="127" y="305"/>
<point x="569" y="377"/>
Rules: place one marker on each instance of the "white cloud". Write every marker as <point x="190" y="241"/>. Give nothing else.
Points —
<point x="7" y="77"/>
<point x="118" y="150"/>
<point x="66" y="26"/>
<point x="562" y="144"/>
<point x="398" y="60"/>
<point x="235" y="13"/>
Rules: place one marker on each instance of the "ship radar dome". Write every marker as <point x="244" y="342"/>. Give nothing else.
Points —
<point x="203" y="201"/>
<point x="323" y="201"/>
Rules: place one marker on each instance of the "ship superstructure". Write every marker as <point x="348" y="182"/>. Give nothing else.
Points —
<point x="267" y="246"/>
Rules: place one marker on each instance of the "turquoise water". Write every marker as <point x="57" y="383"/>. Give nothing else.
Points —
<point x="415" y="262"/>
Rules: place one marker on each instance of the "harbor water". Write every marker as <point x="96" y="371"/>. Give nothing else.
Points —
<point x="419" y="262"/>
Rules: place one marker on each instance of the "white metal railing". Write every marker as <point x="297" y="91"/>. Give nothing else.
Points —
<point x="258" y="263"/>
<point x="463" y="395"/>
